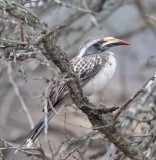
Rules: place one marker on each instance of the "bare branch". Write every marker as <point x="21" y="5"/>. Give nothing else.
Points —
<point x="18" y="11"/>
<point x="23" y="105"/>
<point x="149" y="86"/>
<point x="55" y="54"/>
<point x="127" y="103"/>
<point x="58" y="57"/>
<point x="74" y="7"/>
<point x="20" y="56"/>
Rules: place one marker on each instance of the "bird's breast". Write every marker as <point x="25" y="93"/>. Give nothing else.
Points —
<point x="98" y="82"/>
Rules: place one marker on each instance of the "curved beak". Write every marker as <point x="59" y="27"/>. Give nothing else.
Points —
<point x="121" y="42"/>
<point x="111" y="41"/>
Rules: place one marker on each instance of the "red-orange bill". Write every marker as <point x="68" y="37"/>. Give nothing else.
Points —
<point x="121" y="42"/>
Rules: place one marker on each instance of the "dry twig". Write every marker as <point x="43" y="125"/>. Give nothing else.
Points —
<point x="55" y="54"/>
<point x="23" y="105"/>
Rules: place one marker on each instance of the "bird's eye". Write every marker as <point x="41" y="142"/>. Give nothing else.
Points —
<point x="97" y="45"/>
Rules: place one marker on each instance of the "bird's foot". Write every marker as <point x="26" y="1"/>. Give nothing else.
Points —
<point x="86" y="99"/>
<point x="103" y="109"/>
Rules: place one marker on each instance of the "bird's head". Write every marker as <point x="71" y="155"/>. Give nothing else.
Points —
<point x="99" y="45"/>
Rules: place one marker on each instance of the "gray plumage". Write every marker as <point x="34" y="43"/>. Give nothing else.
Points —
<point x="93" y="65"/>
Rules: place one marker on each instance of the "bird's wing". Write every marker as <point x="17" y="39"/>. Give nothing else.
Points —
<point x="58" y="92"/>
<point x="86" y="68"/>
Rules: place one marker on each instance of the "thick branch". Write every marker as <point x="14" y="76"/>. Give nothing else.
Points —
<point x="55" y="54"/>
<point x="18" y="11"/>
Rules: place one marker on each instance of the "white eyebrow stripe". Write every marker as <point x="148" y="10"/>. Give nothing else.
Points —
<point x="85" y="46"/>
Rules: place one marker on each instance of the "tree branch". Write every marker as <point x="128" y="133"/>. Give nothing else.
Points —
<point x="55" y="54"/>
<point x="18" y="11"/>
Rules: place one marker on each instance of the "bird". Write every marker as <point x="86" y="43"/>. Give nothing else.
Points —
<point x="94" y="65"/>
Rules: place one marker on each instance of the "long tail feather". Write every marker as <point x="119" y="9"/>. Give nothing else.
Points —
<point x="34" y="133"/>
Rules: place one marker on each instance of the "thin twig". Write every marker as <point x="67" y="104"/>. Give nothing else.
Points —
<point x="127" y="103"/>
<point x="41" y="38"/>
<point x="65" y="146"/>
<point x="24" y="106"/>
<point x="2" y="156"/>
<point x="46" y="95"/>
<point x="51" y="150"/>
<point x="75" y="149"/>
<point x="7" y="145"/>
<point x="85" y="10"/>
<point x="62" y="118"/>
<point x="142" y="90"/>
<point x="55" y="54"/>
<point x="151" y="18"/>
<point x="46" y="120"/>
<point x="23" y="32"/>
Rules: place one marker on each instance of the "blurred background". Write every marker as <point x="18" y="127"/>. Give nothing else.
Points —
<point x="130" y="20"/>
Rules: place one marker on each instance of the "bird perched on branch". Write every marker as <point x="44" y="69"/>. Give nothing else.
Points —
<point x="94" y="65"/>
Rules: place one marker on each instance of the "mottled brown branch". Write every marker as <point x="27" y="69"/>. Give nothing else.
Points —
<point x="18" y="11"/>
<point x="55" y="54"/>
<point x="5" y="43"/>
<point x="20" y="56"/>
